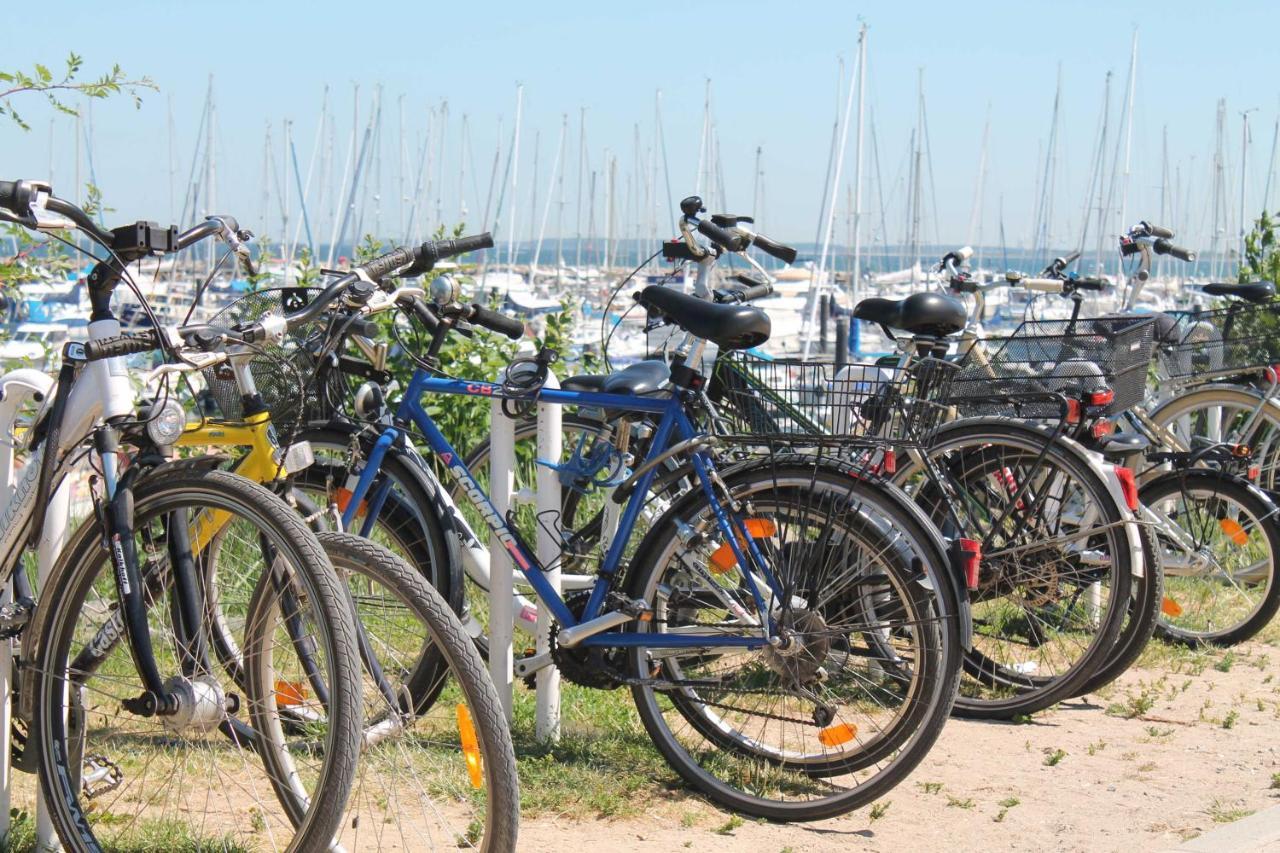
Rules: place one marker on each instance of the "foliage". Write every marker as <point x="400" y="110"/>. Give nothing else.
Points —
<point x="43" y="81"/>
<point x="1261" y="258"/>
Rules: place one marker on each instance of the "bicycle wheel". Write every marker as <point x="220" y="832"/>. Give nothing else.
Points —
<point x="861" y="691"/>
<point x="406" y="525"/>
<point x="1227" y="413"/>
<point x="1145" y="600"/>
<point x="226" y="771"/>
<point x="1057" y="567"/>
<point x="1219" y="541"/>
<point x="438" y="770"/>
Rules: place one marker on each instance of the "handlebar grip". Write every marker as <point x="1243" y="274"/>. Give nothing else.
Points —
<point x="782" y="252"/>
<point x="364" y="327"/>
<point x="1164" y="247"/>
<point x="9" y="196"/>
<point x="121" y="345"/>
<point x="383" y="264"/>
<point x="721" y="237"/>
<point x="492" y="320"/>
<point x="462" y="245"/>
<point x="420" y="311"/>
<point x="1095" y="284"/>
<point x="1157" y="231"/>
<point x="758" y="291"/>
<point x="962" y="284"/>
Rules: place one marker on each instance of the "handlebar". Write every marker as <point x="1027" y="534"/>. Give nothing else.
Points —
<point x="494" y="321"/>
<point x="782" y="252"/>
<point x="724" y="239"/>
<point x="126" y="344"/>
<point x="1164" y="247"/>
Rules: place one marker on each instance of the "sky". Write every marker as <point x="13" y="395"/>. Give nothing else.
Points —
<point x="773" y="69"/>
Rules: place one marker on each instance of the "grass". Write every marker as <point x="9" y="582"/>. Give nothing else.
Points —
<point x="729" y="825"/>
<point x="1005" y="804"/>
<point x="878" y="810"/>
<point x="1275" y="781"/>
<point x="957" y="803"/>
<point x="1222" y="812"/>
<point x="931" y="787"/>
<point x="1054" y="757"/>
<point x="605" y="765"/>
<point x="1229" y="721"/>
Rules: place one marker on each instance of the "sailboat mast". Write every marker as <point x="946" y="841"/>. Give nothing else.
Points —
<point x="855" y="272"/>
<point x="582" y="162"/>
<point x="515" y="174"/>
<point x="1244" y="153"/>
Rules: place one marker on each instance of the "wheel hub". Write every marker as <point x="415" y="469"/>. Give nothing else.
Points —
<point x="805" y="642"/>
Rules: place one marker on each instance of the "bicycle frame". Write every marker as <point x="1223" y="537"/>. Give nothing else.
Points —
<point x="674" y="424"/>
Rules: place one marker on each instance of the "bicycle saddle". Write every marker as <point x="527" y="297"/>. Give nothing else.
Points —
<point x="1254" y="291"/>
<point x="643" y="377"/>
<point x="727" y="326"/>
<point x="919" y="314"/>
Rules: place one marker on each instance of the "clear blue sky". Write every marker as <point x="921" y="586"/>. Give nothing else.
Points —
<point x="773" y="71"/>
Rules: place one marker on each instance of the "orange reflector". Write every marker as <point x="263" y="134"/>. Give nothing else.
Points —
<point x="290" y="693"/>
<point x="838" y="734"/>
<point x="1234" y="531"/>
<point x="342" y="497"/>
<point x="470" y="746"/>
<point x="1171" y="608"/>
<point x="723" y="559"/>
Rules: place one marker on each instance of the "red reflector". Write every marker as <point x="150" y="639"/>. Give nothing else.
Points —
<point x="1128" y="485"/>
<point x="1254" y="471"/>
<point x="1102" y="428"/>
<point x="1272" y="374"/>
<point x="1073" y="411"/>
<point x="890" y="462"/>
<point x="970" y="560"/>
<point x="1105" y="397"/>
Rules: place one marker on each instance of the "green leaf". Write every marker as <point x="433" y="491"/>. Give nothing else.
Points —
<point x="45" y="75"/>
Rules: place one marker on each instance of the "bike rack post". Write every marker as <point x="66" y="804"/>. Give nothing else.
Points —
<point x="502" y="464"/>
<point x="550" y="439"/>
<point x="53" y="537"/>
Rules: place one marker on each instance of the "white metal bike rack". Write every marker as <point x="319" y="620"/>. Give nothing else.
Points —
<point x="17" y="388"/>
<point x="502" y="463"/>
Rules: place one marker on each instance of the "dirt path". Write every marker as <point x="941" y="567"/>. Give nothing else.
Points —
<point x="1174" y="749"/>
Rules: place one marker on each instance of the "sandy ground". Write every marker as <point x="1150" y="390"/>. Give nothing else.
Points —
<point x="1202" y="752"/>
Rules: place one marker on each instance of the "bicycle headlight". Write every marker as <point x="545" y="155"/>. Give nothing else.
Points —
<point x="166" y="423"/>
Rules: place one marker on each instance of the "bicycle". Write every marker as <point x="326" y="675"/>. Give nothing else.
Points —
<point x="409" y="640"/>
<point x="132" y="614"/>
<point x="720" y="620"/>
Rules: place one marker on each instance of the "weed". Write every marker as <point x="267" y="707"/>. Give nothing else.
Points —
<point x="1095" y="748"/>
<point x="729" y="825"/>
<point x="931" y="787"/>
<point x="1010" y="802"/>
<point x="1222" y="812"/>
<point x="878" y="810"/>
<point x="1225" y="663"/>
<point x="956" y="802"/>
<point x="1229" y="721"/>
<point x="1054" y="757"/>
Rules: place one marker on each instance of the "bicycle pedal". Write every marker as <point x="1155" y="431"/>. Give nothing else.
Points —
<point x="14" y="616"/>
<point x="99" y="776"/>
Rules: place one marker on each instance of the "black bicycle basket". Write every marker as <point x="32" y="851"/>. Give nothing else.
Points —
<point x="284" y="373"/>
<point x="1221" y="341"/>
<point x="806" y="402"/>
<point x="1026" y="373"/>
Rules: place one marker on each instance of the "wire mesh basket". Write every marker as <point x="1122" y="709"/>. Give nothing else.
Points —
<point x="814" y="402"/>
<point x="1023" y="374"/>
<point x="1221" y="341"/>
<point x="284" y="373"/>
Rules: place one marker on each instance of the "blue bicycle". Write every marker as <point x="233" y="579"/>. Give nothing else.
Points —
<point x="787" y="626"/>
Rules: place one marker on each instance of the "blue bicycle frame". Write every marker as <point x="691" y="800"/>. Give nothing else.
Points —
<point x="674" y="423"/>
